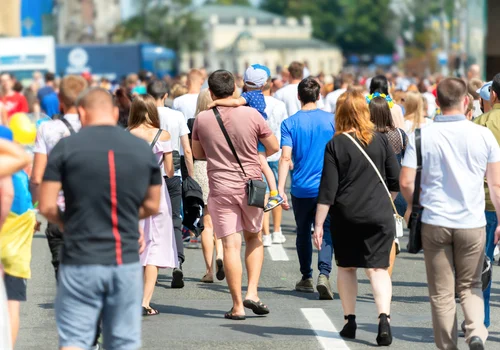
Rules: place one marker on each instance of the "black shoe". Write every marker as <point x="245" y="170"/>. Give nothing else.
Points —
<point x="178" y="277"/>
<point x="349" y="330"/>
<point x="384" y="337"/>
<point x="476" y="343"/>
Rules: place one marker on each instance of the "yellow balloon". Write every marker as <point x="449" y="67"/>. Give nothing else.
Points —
<point x="23" y="129"/>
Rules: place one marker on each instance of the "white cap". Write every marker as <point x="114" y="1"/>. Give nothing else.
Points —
<point x="257" y="75"/>
<point x="484" y="91"/>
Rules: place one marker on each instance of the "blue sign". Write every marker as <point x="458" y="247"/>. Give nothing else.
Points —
<point x="32" y="13"/>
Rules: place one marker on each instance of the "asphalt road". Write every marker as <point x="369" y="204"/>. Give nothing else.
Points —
<point x="192" y="318"/>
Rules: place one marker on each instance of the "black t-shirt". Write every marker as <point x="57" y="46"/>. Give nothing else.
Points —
<point x="105" y="173"/>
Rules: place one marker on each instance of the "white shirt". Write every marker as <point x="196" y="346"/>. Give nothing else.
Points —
<point x="409" y="125"/>
<point x="186" y="104"/>
<point x="431" y="103"/>
<point x="331" y="100"/>
<point x="50" y="132"/>
<point x="477" y="112"/>
<point x="455" y="154"/>
<point x="173" y="122"/>
<point x="289" y="95"/>
<point x="276" y="113"/>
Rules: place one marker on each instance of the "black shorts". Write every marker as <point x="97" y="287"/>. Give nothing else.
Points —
<point x="15" y="287"/>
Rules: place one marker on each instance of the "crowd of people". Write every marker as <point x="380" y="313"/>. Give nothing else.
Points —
<point x="132" y="171"/>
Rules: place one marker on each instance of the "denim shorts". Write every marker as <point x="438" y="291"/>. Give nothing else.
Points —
<point x="86" y="292"/>
<point x="274" y="168"/>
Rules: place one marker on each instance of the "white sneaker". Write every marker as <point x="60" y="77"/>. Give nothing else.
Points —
<point x="278" y="238"/>
<point x="496" y="251"/>
<point x="267" y="240"/>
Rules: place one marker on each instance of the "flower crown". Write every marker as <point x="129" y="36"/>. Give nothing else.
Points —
<point x="388" y="98"/>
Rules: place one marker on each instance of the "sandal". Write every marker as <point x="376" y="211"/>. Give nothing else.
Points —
<point x="149" y="311"/>
<point x="220" y="274"/>
<point x="257" y="307"/>
<point x="230" y="316"/>
<point x="207" y="279"/>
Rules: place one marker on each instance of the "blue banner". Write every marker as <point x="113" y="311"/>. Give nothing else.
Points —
<point x="32" y="13"/>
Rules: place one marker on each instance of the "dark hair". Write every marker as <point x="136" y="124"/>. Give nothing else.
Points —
<point x="450" y="92"/>
<point x="309" y="90"/>
<point x="49" y="77"/>
<point x="143" y="111"/>
<point x="296" y="70"/>
<point x="495" y="85"/>
<point x="472" y="86"/>
<point x="380" y="115"/>
<point x="157" y="89"/>
<point x="221" y="83"/>
<point x="379" y="84"/>
<point x="123" y="103"/>
<point x="18" y="87"/>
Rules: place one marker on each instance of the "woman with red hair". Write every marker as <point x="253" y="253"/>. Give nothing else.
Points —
<point x="359" y="203"/>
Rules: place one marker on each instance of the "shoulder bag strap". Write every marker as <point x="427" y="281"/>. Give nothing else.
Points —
<point x="68" y="125"/>
<point x="157" y="136"/>
<point x="418" y="176"/>
<point x="375" y="168"/>
<point x="226" y="135"/>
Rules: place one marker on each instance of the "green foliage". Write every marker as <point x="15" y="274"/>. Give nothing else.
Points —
<point x="166" y="26"/>
<point x="356" y="26"/>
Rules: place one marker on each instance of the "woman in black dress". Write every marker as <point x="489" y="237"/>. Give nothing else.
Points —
<point x="362" y="227"/>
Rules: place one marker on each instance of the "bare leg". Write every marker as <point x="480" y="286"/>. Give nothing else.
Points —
<point x="14" y="308"/>
<point x="233" y="269"/>
<point x="207" y="243"/>
<point x="219" y="252"/>
<point x="150" y="277"/>
<point x="392" y="259"/>
<point x="254" y="258"/>
<point x="382" y="289"/>
<point x="277" y="215"/>
<point x="347" y="283"/>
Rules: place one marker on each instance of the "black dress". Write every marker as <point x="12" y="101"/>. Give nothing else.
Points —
<point x="362" y="221"/>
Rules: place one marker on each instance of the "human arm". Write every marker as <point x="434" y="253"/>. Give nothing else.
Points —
<point x="3" y="114"/>
<point x="39" y="165"/>
<point x="188" y="154"/>
<point x="493" y="179"/>
<point x="271" y="144"/>
<point x="49" y="191"/>
<point x="392" y="169"/>
<point x="151" y="202"/>
<point x="12" y="158"/>
<point x="283" y="170"/>
<point x="229" y="102"/>
<point x="6" y="197"/>
<point x="198" y="151"/>
<point x="321" y="214"/>
<point x="168" y="164"/>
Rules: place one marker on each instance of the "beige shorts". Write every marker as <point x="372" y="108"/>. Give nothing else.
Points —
<point x="231" y="214"/>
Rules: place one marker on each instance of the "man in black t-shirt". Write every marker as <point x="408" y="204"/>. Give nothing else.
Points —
<point x="110" y="180"/>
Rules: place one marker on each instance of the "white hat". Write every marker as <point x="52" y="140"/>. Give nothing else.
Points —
<point x="257" y="75"/>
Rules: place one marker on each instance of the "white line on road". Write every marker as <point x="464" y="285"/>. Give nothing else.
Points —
<point x="277" y="253"/>
<point x="326" y="333"/>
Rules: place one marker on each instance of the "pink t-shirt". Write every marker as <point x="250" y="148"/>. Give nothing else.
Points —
<point x="245" y="126"/>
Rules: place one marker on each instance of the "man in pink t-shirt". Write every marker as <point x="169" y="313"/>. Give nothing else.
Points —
<point x="227" y="201"/>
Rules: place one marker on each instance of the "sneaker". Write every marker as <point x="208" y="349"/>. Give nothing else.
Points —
<point x="194" y="243"/>
<point x="278" y="238"/>
<point x="267" y="240"/>
<point x="178" y="277"/>
<point x="305" y="286"/>
<point x="273" y="203"/>
<point x="324" y="288"/>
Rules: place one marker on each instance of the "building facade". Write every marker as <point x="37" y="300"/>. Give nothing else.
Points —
<point x="238" y="36"/>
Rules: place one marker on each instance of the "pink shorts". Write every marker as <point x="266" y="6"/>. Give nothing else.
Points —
<point x="231" y="214"/>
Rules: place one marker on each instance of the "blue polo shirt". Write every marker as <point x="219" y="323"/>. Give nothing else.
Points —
<point x="307" y="133"/>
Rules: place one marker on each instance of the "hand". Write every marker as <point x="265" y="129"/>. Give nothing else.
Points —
<point x="37" y="226"/>
<point x="497" y="235"/>
<point x="285" y="204"/>
<point x="142" y="242"/>
<point x="318" y="236"/>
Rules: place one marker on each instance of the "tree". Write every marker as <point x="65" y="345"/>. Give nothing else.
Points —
<point x="169" y="26"/>
<point x="356" y="26"/>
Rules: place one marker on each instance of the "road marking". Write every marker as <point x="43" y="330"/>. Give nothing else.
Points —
<point x="326" y="333"/>
<point x="277" y="253"/>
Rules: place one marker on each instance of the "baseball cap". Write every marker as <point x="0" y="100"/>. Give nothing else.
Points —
<point x="484" y="91"/>
<point x="257" y="75"/>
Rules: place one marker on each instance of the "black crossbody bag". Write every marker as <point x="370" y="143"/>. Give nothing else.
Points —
<point x="255" y="189"/>
<point x="415" y="222"/>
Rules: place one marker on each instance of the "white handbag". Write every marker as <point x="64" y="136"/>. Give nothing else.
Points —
<point x="398" y="220"/>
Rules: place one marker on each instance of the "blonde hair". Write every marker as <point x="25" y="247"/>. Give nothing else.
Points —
<point x="204" y="100"/>
<point x="353" y="113"/>
<point x="414" y="106"/>
<point x="178" y="90"/>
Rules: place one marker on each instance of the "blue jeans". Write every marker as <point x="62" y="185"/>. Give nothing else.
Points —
<point x="86" y="291"/>
<point x="491" y="225"/>
<point x="400" y="204"/>
<point x="304" y="210"/>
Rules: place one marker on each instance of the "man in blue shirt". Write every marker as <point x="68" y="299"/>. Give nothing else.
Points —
<point x="303" y="139"/>
<point x="47" y="96"/>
